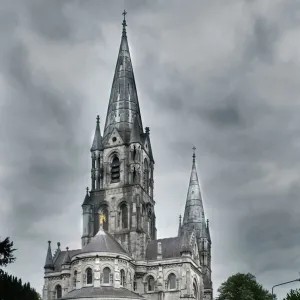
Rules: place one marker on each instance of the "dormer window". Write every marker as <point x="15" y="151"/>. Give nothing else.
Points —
<point x="115" y="170"/>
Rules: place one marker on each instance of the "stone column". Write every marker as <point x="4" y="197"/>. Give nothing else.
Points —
<point x="97" y="273"/>
<point x="117" y="274"/>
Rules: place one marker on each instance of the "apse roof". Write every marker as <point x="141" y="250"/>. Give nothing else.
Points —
<point x="103" y="242"/>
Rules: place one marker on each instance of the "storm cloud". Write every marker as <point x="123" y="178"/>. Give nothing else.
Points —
<point x="220" y="75"/>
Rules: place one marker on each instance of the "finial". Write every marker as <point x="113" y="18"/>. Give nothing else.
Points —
<point x="87" y="190"/>
<point x="207" y="223"/>
<point x="67" y="248"/>
<point x="179" y="219"/>
<point x="147" y="129"/>
<point x="49" y="242"/>
<point x="124" y="22"/>
<point x="58" y="245"/>
<point x="98" y="119"/>
<point x="194" y="155"/>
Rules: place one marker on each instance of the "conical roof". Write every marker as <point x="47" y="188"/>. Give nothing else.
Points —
<point x="123" y="102"/>
<point x="49" y="259"/>
<point x="103" y="242"/>
<point x="67" y="258"/>
<point x="194" y="213"/>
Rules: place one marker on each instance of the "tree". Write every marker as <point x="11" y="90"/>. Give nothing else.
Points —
<point x="293" y="295"/>
<point x="242" y="287"/>
<point x="11" y="288"/>
<point x="6" y="253"/>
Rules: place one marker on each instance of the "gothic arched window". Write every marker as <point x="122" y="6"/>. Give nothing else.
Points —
<point x="89" y="276"/>
<point x="195" y="290"/>
<point x="58" y="291"/>
<point x="115" y="170"/>
<point x="106" y="275"/>
<point x="122" y="278"/>
<point x="150" y="284"/>
<point x="124" y="215"/>
<point x="75" y="278"/>
<point x="172" y="282"/>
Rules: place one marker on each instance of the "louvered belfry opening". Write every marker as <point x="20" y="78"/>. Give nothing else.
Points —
<point x="115" y="170"/>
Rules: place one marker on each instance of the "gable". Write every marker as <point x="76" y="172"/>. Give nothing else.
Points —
<point x="114" y="138"/>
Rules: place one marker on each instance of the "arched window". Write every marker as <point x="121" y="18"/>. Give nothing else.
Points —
<point x="124" y="215"/>
<point x="146" y="176"/>
<point x="75" y="278"/>
<point x="150" y="284"/>
<point x="104" y="211"/>
<point x="195" y="290"/>
<point x="115" y="170"/>
<point x="172" y="282"/>
<point x="58" y="291"/>
<point x="106" y="275"/>
<point x="122" y="277"/>
<point x="89" y="276"/>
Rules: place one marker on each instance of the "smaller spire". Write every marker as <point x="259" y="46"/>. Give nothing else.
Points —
<point x="86" y="200"/>
<point x="49" y="259"/>
<point x="124" y="23"/>
<point x="97" y="143"/>
<point x="67" y="258"/>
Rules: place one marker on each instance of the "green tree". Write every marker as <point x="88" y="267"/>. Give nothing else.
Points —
<point x="11" y="288"/>
<point x="242" y="287"/>
<point x="6" y="253"/>
<point x="293" y="295"/>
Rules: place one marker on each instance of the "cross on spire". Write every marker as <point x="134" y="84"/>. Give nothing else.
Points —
<point x="194" y="155"/>
<point x="124" y="22"/>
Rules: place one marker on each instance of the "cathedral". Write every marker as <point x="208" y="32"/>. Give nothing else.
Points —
<point x="120" y="255"/>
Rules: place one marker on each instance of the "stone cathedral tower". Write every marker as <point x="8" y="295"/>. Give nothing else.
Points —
<point x="120" y="255"/>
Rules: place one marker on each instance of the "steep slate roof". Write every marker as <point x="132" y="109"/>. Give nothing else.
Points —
<point x="102" y="292"/>
<point x="60" y="259"/>
<point x="170" y="248"/>
<point x="103" y="242"/>
<point x="123" y="104"/>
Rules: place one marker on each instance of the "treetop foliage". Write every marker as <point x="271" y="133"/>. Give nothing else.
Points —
<point x="242" y="287"/>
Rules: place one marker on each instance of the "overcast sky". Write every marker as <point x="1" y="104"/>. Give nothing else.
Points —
<point x="220" y="75"/>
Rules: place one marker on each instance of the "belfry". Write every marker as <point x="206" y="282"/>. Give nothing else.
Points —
<point x="120" y="255"/>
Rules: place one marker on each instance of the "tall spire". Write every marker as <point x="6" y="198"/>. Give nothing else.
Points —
<point x="97" y="142"/>
<point x="123" y="104"/>
<point x="194" y="212"/>
<point x="49" y="259"/>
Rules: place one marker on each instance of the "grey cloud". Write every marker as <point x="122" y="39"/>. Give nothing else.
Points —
<point x="247" y="143"/>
